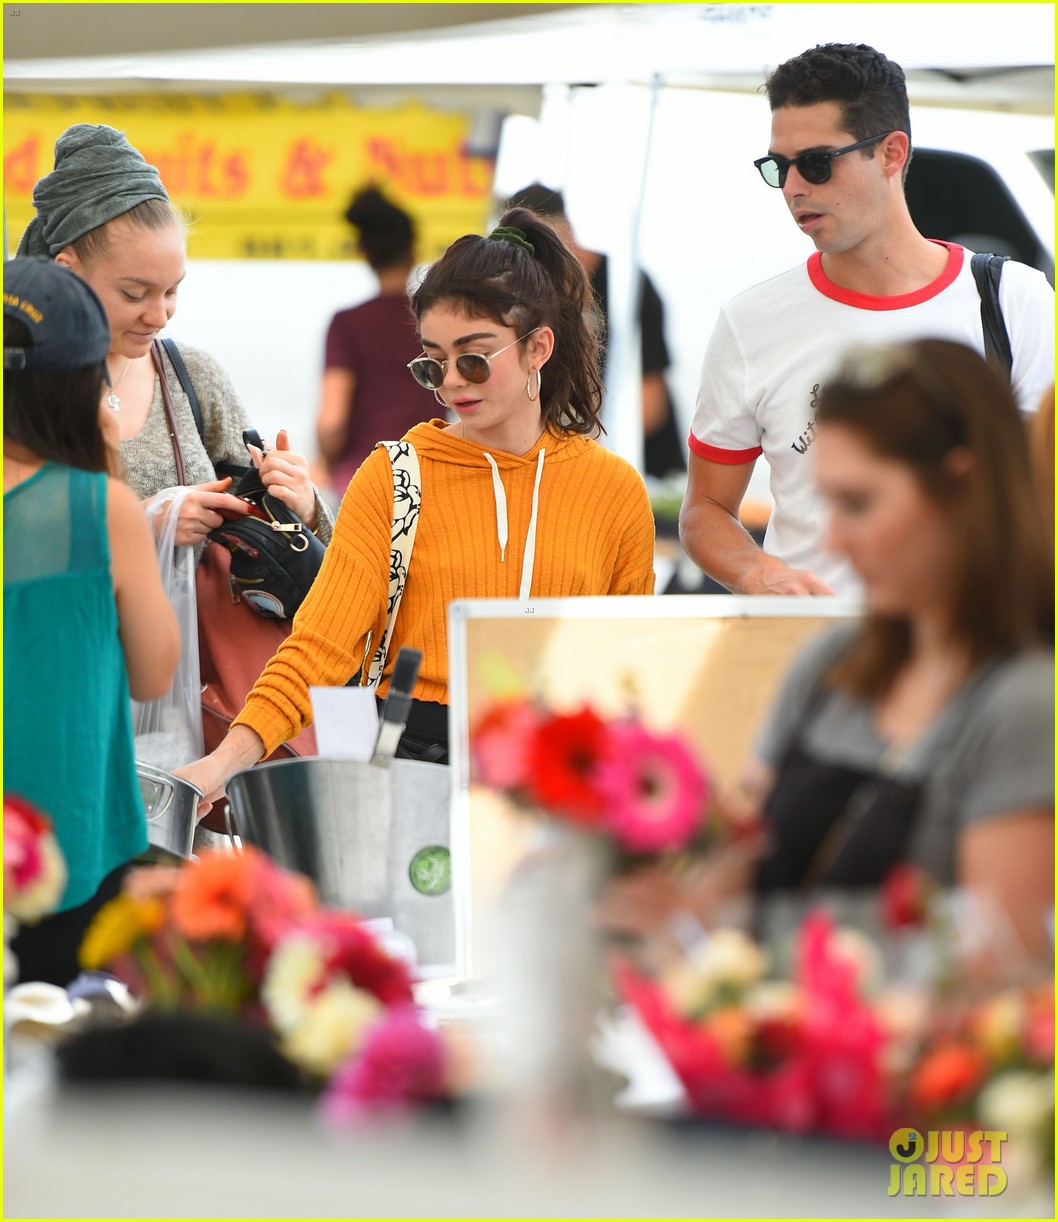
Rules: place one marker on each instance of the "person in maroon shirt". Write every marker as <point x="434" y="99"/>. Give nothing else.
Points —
<point x="367" y="395"/>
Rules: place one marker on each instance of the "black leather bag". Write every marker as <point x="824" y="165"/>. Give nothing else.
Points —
<point x="274" y="555"/>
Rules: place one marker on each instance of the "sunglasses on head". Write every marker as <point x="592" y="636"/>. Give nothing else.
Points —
<point x="813" y="166"/>
<point x="474" y="366"/>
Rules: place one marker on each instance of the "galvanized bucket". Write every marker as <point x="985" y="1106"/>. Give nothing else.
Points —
<point x="171" y="804"/>
<point x="373" y="837"/>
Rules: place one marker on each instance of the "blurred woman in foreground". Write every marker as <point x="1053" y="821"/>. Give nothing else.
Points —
<point x="923" y="732"/>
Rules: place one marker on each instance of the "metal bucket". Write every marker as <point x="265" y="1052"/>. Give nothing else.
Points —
<point x="373" y="838"/>
<point x="171" y="804"/>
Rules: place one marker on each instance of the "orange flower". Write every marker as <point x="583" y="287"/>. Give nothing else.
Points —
<point x="210" y="898"/>
<point x="732" y="1029"/>
<point x="947" y="1077"/>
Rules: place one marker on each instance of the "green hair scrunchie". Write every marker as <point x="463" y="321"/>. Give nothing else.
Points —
<point x="516" y="237"/>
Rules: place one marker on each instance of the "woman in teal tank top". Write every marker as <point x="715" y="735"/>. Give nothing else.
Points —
<point x="86" y="619"/>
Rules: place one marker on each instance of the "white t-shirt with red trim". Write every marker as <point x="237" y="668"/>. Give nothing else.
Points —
<point x="775" y="344"/>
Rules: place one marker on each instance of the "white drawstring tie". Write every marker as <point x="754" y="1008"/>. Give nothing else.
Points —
<point x="500" y="497"/>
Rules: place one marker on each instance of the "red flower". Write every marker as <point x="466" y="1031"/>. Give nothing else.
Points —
<point x="776" y="1039"/>
<point x="905" y="896"/>
<point x="351" y="948"/>
<point x="563" y="758"/>
<point x="24" y="825"/>
<point x="947" y="1077"/>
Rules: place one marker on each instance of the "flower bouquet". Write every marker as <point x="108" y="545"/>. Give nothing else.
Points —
<point x="592" y="798"/>
<point x="643" y="790"/>
<point x="34" y="871"/>
<point x="989" y="1066"/>
<point x="238" y="938"/>
<point x="804" y="1055"/>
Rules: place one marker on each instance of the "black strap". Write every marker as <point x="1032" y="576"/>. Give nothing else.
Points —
<point x="987" y="270"/>
<point x="185" y="381"/>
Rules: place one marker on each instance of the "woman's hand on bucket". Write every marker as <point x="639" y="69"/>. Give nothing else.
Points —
<point x="241" y="748"/>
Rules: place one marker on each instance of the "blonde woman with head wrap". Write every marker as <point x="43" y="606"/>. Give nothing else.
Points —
<point x="104" y="213"/>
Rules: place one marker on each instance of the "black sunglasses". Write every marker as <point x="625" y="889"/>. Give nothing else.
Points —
<point x="813" y="166"/>
<point x="474" y="366"/>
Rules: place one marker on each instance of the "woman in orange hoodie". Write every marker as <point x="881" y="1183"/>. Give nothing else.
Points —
<point x="519" y="500"/>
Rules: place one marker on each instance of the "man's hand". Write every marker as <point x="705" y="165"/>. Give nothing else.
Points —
<point x="773" y="577"/>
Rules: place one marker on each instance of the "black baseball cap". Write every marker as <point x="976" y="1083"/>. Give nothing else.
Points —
<point x="67" y="323"/>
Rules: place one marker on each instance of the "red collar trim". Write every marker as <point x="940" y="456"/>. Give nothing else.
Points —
<point x="868" y="301"/>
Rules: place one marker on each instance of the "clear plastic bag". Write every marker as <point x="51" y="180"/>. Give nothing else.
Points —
<point x="168" y="731"/>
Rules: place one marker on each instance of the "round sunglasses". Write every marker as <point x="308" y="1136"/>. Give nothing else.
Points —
<point x="474" y="366"/>
<point x="813" y="166"/>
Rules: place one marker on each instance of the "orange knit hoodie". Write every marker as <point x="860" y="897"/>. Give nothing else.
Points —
<point x="590" y="532"/>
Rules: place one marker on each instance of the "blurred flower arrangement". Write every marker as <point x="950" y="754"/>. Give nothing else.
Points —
<point x="990" y="1065"/>
<point x="234" y="935"/>
<point x="645" y="790"/>
<point x="804" y="1055"/>
<point x="34" y="871"/>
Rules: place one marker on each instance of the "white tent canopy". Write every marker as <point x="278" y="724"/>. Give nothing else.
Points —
<point x="991" y="54"/>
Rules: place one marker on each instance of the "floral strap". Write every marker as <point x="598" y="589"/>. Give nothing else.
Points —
<point x="407" y="498"/>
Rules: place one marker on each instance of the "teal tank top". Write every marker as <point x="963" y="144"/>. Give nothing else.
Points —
<point x="67" y="719"/>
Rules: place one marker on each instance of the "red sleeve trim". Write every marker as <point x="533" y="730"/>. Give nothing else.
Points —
<point x="730" y="458"/>
<point x="868" y="301"/>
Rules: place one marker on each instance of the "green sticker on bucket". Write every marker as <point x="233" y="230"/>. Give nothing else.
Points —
<point x="431" y="870"/>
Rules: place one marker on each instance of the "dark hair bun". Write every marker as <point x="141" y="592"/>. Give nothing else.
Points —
<point x="387" y="233"/>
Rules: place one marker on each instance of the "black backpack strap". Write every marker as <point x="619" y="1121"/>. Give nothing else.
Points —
<point x="987" y="270"/>
<point x="184" y="377"/>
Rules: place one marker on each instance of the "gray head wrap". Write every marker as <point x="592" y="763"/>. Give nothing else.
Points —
<point x="98" y="175"/>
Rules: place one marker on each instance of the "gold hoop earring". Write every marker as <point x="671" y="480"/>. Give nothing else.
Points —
<point x="437" y="396"/>
<point x="529" y="385"/>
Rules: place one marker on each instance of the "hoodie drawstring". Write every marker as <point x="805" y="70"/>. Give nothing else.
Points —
<point x="500" y="497"/>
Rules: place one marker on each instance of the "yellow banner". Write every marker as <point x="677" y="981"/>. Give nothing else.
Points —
<point x="266" y="177"/>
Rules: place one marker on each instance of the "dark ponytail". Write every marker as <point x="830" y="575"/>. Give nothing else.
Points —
<point x="498" y="278"/>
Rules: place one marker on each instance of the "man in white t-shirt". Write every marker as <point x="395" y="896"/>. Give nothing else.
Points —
<point x="840" y="146"/>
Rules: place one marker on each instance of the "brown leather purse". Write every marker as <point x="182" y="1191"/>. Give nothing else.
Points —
<point x="234" y="643"/>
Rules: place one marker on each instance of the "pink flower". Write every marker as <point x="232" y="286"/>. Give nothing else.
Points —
<point x="34" y="868"/>
<point x="278" y="900"/>
<point x="654" y="787"/>
<point x="401" y="1062"/>
<point x="500" y="745"/>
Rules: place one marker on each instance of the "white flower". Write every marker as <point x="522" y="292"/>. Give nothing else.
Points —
<point x="726" y="959"/>
<point x="774" y="999"/>
<point x="1017" y="1102"/>
<point x="295" y="967"/>
<point x="331" y="1028"/>
<point x="729" y="956"/>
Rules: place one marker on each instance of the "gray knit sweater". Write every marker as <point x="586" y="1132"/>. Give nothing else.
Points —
<point x="147" y="459"/>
